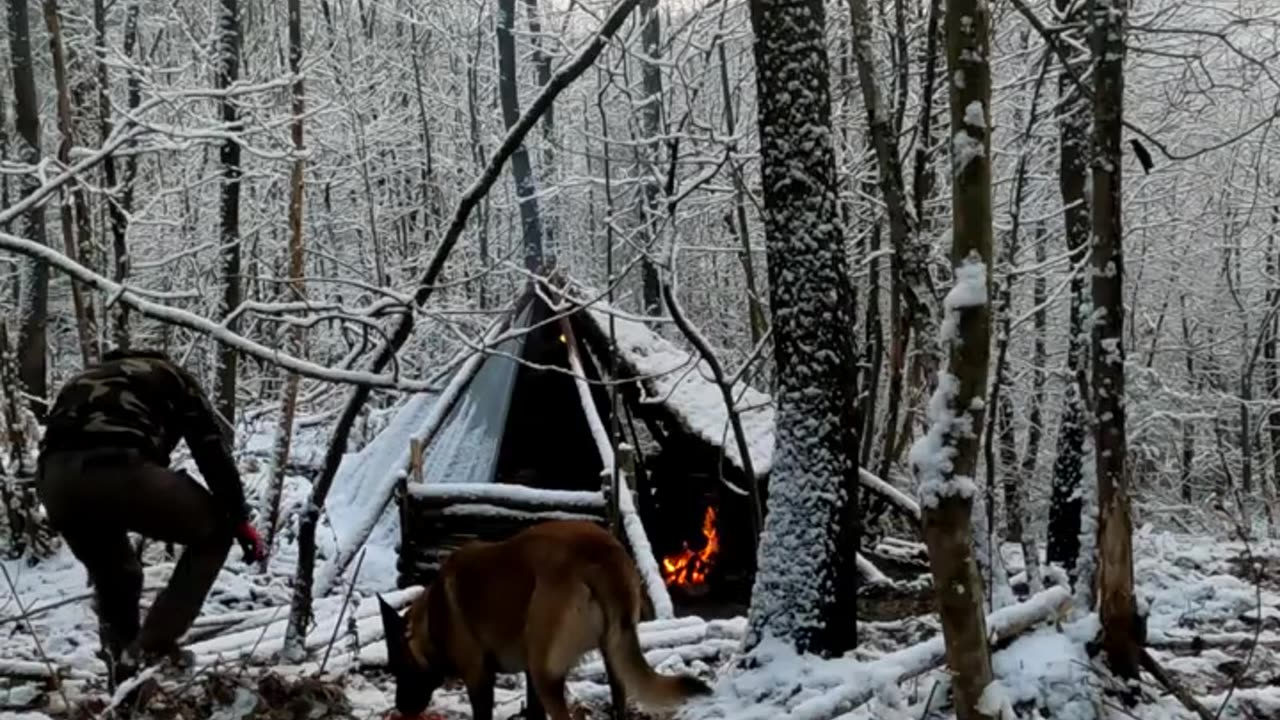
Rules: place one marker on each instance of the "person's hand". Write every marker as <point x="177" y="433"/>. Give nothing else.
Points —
<point x="250" y="543"/>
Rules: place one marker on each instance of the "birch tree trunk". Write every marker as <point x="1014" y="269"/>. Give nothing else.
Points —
<point x="945" y="459"/>
<point x="228" y="64"/>
<point x="805" y="590"/>
<point x="1117" y="607"/>
<point x="33" y="300"/>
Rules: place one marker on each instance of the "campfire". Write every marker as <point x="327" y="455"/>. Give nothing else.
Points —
<point x="688" y="568"/>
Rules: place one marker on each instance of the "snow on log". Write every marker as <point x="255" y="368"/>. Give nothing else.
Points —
<point x="688" y="637"/>
<point x="265" y="640"/>
<point x="632" y="527"/>
<point x="34" y="670"/>
<point x="871" y="573"/>
<point x="517" y="497"/>
<point x="894" y="668"/>
<point x="890" y="493"/>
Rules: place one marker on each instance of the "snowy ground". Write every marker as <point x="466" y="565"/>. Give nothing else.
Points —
<point x="1204" y="614"/>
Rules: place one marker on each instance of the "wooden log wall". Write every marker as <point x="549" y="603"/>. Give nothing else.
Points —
<point x="436" y="520"/>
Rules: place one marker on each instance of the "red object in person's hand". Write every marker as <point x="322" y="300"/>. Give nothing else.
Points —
<point x="250" y="542"/>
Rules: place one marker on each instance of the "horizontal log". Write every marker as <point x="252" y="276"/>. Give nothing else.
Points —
<point x="901" y="665"/>
<point x="516" y="497"/>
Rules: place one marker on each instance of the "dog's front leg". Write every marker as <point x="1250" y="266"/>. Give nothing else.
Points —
<point x="480" y="693"/>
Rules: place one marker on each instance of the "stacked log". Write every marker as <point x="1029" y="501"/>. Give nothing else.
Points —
<point x="438" y="519"/>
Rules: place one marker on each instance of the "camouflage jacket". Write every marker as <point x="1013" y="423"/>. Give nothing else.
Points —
<point x="147" y="403"/>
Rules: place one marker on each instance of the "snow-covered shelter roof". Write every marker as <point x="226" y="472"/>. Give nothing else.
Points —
<point x="688" y="390"/>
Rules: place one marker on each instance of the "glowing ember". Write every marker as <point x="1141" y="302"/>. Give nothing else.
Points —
<point x="688" y="568"/>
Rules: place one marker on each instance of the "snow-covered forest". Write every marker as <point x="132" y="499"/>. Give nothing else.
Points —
<point x="978" y="302"/>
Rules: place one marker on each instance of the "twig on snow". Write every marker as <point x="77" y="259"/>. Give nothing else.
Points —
<point x="346" y="601"/>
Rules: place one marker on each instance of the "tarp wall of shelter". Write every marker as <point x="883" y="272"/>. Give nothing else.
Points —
<point x="466" y="448"/>
<point x="365" y="480"/>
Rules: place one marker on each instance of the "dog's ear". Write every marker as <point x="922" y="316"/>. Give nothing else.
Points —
<point x="393" y="632"/>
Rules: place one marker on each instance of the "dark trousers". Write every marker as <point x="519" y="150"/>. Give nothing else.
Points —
<point x="94" y="498"/>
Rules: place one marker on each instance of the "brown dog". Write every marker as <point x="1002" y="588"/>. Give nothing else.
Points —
<point x="535" y="603"/>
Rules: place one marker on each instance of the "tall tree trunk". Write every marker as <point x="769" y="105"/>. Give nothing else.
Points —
<point x="297" y="288"/>
<point x="1073" y="125"/>
<point x="805" y="591"/>
<point x="33" y="279"/>
<point x="946" y="458"/>
<point x="651" y="132"/>
<point x="115" y="212"/>
<point x="73" y="207"/>
<point x="1270" y="350"/>
<point x="1188" y="428"/>
<point x="738" y="222"/>
<point x="227" y="74"/>
<point x="1117" y="607"/>
<point x="4" y="154"/>
<point x="536" y="257"/>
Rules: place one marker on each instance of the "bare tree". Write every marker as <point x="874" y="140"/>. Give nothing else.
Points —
<point x="116" y="210"/>
<point x="1073" y="124"/>
<point x="535" y="252"/>
<point x="297" y="287"/>
<point x="33" y="302"/>
<point x="228" y="72"/>
<point x="1117" y="606"/>
<point x="74" y="207"/>
<point x="946" y="458"/>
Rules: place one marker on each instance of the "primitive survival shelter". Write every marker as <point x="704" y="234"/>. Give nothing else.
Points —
<point x="525" y="432"/>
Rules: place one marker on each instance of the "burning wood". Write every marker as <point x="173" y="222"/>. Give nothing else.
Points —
<point x="688" y="568"/>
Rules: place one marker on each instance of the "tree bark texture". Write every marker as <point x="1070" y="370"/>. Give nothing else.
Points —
<point x="33" y="301"/>
<point x="228" y="73"/>
<point x="1117" y="608"/>
<point x="1065" y="500"/>
<point x="946" y="458"/>
<point x="803" y="595"/>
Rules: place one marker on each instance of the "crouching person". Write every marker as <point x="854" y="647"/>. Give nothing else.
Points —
<point x="104" y="471"/>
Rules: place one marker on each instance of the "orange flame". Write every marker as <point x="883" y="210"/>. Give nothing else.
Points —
<point x="687" y="567"/>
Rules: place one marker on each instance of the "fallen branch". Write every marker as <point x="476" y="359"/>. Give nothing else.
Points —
<point x="33" y="670"/>
<point x="871" y="573"/>
<point x="204" y="326"/>
<point x="894" y="668"/>
<point x="1195" y="643"/>
<point x="1173" y="686"/>
<point x="895" y="496"/>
